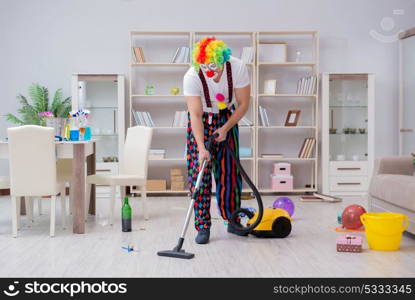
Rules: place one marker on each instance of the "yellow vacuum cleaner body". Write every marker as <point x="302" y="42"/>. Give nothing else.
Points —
<point x="275" y="223"/>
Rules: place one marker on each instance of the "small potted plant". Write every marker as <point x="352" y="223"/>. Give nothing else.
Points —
<point x="40" y="111"/>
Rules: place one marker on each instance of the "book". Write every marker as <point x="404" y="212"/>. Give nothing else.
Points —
<point x="134" y="56"/>
<point x="264" y="116"/>
<point x="327" y="198"/>
<point x="142" y="54"/>
<point x="150" y="119"/>
<point x="245" y="122"/>
<point x="143" y="118"/>
<point x="307" y="85"/>
<point x="146" y="119"/>
<point x="182" y="55"/>
<point x="247" y="54"/>
<point x="175" y="55"/>
<point x="307" y="148"/>
<point x="245" y="152"/>
<point x="270" y="155"/>
<point x="140" y="117"/>
<point x="187" y="55"/>
<point x="179" y="55"/>
<point x="180" y="119"/>
<point x="310" y="199"/>
<point x="310" y="148"/>
<point x="303" y="148"/>
<point x="138" y="54"/>
<point x="137" y="121"/>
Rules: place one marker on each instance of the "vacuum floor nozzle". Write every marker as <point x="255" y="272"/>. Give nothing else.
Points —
<point x="176" y="254"/>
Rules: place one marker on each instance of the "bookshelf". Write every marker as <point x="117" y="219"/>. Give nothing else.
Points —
<point x="287" y="140"/>
<point x="159" y="48"/>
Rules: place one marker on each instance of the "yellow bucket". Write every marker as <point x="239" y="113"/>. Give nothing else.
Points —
<point x="384" y="230"/>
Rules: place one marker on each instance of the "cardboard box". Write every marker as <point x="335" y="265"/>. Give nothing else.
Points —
<point x="156" y="185"/>
<point x="177" y="186"/>
<point x="175" y="172"/>
<point x="177" y="178"/>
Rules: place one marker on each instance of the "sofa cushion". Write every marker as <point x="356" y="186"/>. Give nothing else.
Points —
<point x="396" y="189"/>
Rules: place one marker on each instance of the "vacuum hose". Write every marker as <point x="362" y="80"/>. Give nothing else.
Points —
<point x="234" y="221"/>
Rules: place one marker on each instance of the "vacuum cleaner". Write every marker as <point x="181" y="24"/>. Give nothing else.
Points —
<point x="263" y="223"/>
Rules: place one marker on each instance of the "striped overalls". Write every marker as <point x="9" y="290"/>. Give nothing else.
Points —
<point x="227" y="176"/>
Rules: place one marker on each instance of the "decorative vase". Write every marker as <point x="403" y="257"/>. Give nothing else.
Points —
<point x="58" y="124"/>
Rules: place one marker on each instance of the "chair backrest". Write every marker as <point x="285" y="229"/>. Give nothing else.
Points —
<point x="32" y="159"/>
<point x="136" y="151"/>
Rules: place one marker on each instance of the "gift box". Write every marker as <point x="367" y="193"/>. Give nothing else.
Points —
<point x="282" y="168"/>
<point x="349" y="243"/>
<point x="281" y="182"/>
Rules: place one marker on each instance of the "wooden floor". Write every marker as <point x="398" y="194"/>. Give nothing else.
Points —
<point x="309" y="250"/>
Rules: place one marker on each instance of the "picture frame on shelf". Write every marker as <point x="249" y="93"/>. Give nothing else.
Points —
<point x="270" y="87"/>
<point x="293" y="116"/>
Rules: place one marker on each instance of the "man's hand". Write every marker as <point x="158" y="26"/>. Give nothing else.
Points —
<point x="222" y="134"/>
<point x="203" y="155"/>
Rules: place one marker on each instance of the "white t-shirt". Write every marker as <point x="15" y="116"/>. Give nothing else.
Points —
<point x="192" y="86"/>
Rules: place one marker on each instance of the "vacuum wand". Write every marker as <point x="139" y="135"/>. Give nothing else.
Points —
<point x="177" y="251"/>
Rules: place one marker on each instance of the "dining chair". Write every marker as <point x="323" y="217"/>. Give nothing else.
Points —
<point x="64" y="169"/>
<point x="4" y="182"/>
<point x="133" y="168"/>
<point x="32" y="160"/>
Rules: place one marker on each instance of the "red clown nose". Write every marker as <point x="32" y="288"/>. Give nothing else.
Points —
<point x="210" y="74"/>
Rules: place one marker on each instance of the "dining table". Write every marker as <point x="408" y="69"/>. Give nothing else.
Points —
<point x="83" y="155"/>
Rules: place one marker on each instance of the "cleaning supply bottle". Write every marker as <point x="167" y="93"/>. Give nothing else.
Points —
<point x="126" y="216"/>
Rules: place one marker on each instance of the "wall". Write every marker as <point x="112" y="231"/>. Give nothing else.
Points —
<point x="46" y="41"/>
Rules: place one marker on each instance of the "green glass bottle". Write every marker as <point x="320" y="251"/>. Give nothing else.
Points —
<point x="126" y="216"/>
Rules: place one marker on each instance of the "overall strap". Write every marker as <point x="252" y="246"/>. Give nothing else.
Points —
<point x="205" y="89"/>
<point x="230" y="81"/>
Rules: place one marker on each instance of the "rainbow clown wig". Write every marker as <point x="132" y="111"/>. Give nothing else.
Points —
<point x="210" y="50"/>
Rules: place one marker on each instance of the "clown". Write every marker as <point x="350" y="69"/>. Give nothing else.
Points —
<point x="217" y="92"/>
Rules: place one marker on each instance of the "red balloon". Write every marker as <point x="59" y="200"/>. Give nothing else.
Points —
<point x="351" y="216"/>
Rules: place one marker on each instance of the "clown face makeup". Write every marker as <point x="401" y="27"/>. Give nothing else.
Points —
<point x="211" y="70"/>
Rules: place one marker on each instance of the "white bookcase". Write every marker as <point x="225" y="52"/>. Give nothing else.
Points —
<point x="104" y="96"/>
<point x="278" y="138"/>
<point x="348" y="132"/>
<point x="157" y="70"/>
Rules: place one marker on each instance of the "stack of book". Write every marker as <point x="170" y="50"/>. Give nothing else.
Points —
<point x="180" y="119"/>
<point x="307" y="85"/>
<point x="245" y="122"/>
<point x="157" y="154"/>
<point x="138" y="55"/>
<point x="306" y="150"/>
<point x="143" y="118"/>
<point x="247" y="55"/>
<point x="264" y="116"/>
<point x="182" y="55"/>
